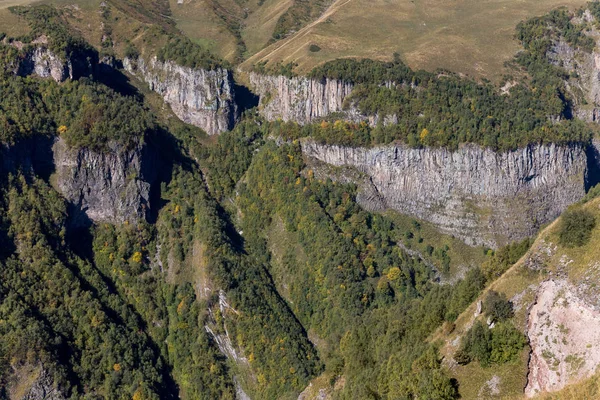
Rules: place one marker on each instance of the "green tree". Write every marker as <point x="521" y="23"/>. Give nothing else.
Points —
<point x="575" y="227"/>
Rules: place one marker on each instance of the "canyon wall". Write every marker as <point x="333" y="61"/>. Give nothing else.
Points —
<point x="108" y="186"/>
<point x="203" y="98"/>
<point x="478" y="195"/>
<point x="41" y="61"/>
<point x="300" y="99"/>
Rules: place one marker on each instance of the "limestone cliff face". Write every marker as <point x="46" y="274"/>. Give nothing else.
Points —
<point x="112" y="186"/>
<point x="584" y="84"/>
<point x="198" y="97"/>
<point x="476" y="194"/>
<point x="42" y="62"/>
<point x="299" y="99"/>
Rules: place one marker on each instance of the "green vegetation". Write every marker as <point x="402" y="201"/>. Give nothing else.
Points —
<point x="446" y="110"/>
<point x="230" y="157"/>
<point x="124" y="313"/>
<point x="286" y="69"/>
<point x="283" y="359"/>
<point x="497" y="307"/>
<point x="58" y="309"/>
<point x="354" y="284"/>
<point x="502" y="259"/>
<point x="499" y="345"/>
<point x="576" y="227"/>
<point x="47" y="20"/>
<point x="85" y="113"/>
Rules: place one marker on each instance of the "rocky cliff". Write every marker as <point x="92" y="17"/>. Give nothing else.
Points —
<point x="562" y="314"/>
<point x="38" y="59"/>
<point x="483" y="197"/>
<point x="299" y="99"/>
<point x="584" y="69"/>
<point x="42" y="62"/>
<point x="199" y="97"/>
<point x="112" y="186"/>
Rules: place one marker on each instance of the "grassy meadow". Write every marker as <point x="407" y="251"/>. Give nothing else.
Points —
<point x="473" y="37"/>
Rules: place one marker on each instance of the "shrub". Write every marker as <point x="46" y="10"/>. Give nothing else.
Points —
<point x="499" y="345"/>
<point x="501" y="260"/>
<point x="576" y="227"/>
<point x="313" y="48"/>
<point x="507" y="342"/>
<point x="497" y="306"/>
<point x="131" y="52"/>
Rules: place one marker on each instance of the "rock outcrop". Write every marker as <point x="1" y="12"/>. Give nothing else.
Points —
<point x="299" y="99"/>
<point x="29" y="382"/>
<point x="198" y="97"/>
<point x="38" y="59"/>
<point x="563" y="331"/>
<point x="42" y="62"/>
<point x="483" y="197"/>
<point x="584" y="68"/>
<point x="111" y="186"/>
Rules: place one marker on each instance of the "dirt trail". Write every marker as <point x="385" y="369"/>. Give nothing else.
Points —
<point x="261" y="56"/>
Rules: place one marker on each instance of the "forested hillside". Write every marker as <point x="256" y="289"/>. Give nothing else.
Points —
<point x="255" y="272"/>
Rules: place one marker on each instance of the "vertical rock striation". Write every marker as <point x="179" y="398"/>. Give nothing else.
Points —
<point x="299" y="99"/>
<point x="199" y="97"/>
<point x="483" y="197"/>
<point x="112" y="186"/>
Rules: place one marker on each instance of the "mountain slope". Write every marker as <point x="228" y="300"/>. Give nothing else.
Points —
<point x="469" y="37"/>
<point x="554" y="294"/>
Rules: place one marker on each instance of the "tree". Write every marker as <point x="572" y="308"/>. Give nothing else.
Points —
<point x="576" y="227"/>
<point x="497" y="306"/>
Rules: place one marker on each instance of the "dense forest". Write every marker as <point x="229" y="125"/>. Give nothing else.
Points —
<point x="442" y="109"/>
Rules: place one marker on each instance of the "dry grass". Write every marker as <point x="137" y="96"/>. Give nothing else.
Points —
<point x="10" y="3"/>
<point x="11" y="24"/>
<point x="198" y="21"/>
<point x="588" y="389"/>
<point x="473" y="37"/>
<point x="259" y="26"/>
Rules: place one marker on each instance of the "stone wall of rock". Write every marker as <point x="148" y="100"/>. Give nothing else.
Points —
<point x="109" y="186"/>
<point x="483" y="197"/>
<point x="299" y="99"/>
<point x="198" y="97"/>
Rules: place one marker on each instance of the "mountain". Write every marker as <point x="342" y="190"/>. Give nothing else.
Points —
<point x="184" y="217"/>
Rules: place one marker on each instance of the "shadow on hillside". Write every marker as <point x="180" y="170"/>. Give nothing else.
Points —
<point x="244" y="98"/>
<point x="593" y="167"/>
<point x="112" y="77"/>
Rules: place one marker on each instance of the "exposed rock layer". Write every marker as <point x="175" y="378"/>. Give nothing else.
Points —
<point x="563" y="331"/>
<point x="299" y="99"/>
<point x="476" y="194"/>
<point x="41" y="61"/>
<point x="584" y="68"/>
<point x="199" y="97"/>
<point x="112" y="186"/>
